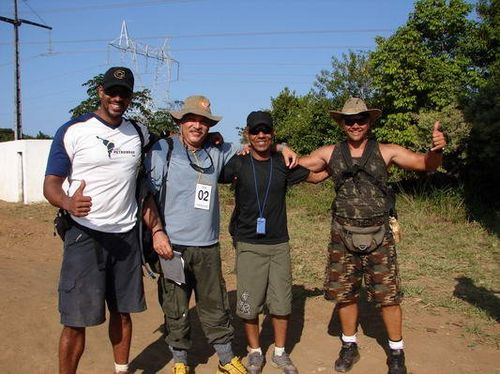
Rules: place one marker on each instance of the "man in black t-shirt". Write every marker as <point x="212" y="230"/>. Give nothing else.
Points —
<point x="259" y="230"/>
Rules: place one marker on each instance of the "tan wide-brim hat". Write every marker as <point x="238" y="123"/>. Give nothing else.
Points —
<point x="196" y="104"/>
<point x="354" y="106"/>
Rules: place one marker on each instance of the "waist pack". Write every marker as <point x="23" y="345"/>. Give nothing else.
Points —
<point x="361" y="239"/>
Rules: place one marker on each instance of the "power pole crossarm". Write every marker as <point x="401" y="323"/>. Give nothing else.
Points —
<point x="17" y="22"/>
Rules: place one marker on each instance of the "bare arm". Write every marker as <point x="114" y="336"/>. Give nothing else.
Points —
<point x="151" y="217"/>
<point x="288" y="154"/>
<point x="318" y="160"/>
<point x="406" y="159"/>
<point x="78" y="205"/>
<point x="317" y="177"/>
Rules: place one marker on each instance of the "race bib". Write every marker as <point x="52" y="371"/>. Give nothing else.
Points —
<point x="202" y="196"/>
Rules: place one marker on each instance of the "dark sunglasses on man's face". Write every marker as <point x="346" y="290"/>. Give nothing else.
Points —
<point x="265" y="129"/>
<point x="118" y="91"/>
<point x="359" y="119"/>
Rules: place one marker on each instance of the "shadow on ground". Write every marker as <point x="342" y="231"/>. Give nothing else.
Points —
<point x="157" y="355"/>
<point x="480" y="297"/>
<point x="369" y="320"/>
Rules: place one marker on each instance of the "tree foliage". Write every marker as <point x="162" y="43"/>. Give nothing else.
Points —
<point x="139" y="109"/>
<point x="303" y="121"/>
<point x="442" y="64"/>
<point x="483" y="110"/>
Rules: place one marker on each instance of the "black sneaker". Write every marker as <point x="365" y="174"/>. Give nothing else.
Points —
<point x="348" y="356"/>
<point x="396" y="361"/>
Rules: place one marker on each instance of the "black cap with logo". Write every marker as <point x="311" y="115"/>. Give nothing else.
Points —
<point x="118" y="76"/>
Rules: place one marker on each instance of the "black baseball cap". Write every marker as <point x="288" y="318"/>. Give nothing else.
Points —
<point x="259" y="118"/>
<point x="118" y="76"/>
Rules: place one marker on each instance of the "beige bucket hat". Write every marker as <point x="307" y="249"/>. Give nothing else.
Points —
<point x="353" y="106"/>
<point x="196" y="104"/>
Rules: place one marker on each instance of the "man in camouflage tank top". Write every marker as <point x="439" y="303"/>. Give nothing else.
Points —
<point x="361" y="204"/>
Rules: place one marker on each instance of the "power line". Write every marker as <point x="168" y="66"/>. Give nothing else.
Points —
<point x="17" y="22"/>
<point x="34" y="12"/>
<point x="217" y="35"/>
<point x="130" y="4"/>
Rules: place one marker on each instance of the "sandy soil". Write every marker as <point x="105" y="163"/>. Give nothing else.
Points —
<point x="29" y="323"/>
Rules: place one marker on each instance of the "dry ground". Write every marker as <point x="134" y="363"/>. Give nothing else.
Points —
<point x="29" y="323"/>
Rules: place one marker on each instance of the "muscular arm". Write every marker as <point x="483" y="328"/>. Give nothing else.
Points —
<point x="318" y="177"/>
<point x="409" y="160"/>
<point x="78" y="205"/>
<point x="318" y="160"/>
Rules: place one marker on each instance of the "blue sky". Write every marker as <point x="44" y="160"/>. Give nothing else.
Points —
<point x="238" y="53"/>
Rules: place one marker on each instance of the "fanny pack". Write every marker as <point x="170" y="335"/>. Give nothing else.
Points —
<point x="361" y="239"/>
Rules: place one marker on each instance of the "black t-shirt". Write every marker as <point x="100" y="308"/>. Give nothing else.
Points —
<point x="243" y="226"/>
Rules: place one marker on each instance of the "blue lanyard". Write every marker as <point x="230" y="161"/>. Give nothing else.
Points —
<point x="261" y="210"/>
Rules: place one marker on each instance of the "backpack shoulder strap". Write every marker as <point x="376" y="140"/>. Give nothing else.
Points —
<point x="139" y="132"/>
<point x="346" y="154"/>
<point x="160" y="197"/>
<point x="367" y="153"/>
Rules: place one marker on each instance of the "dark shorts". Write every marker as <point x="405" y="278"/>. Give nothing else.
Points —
<point x="99" y="268"/>
<point x="346" y="270"/>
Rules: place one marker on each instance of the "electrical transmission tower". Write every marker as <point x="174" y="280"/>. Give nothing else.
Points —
<point x="17" y="22"/>
<point x="167" y="68"/>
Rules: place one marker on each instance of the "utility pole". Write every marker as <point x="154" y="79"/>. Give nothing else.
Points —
<point x="17" y="22"/>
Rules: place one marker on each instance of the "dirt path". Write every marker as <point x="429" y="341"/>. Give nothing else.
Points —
<point x="29" y="323"/>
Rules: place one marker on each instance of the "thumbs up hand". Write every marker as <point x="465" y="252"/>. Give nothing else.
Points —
<point x="438" y="138"/>
<point x="79" y="204"/>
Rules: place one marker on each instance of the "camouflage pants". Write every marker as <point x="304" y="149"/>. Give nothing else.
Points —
<point x="346" y="270"/>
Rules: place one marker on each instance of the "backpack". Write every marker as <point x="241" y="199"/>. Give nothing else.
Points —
<point x="390" y="196"/>
<point x="150" y="259"/>
<point x="354" y="169"/>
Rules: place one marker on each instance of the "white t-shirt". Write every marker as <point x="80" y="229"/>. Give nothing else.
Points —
<point x="107" y="158"/>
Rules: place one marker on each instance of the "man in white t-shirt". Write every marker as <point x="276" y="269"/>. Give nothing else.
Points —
<point x="99" y="154"/>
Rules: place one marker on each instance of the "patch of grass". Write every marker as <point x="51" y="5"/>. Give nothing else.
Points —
<point x="445" y="260"/>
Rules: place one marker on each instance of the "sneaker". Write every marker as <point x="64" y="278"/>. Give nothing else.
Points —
<point x="396" y="361"/>
<point x="284" y="363"/>
<point x="233" y="367"/>
<point x="255" y="362"/>
<point x="180" y="368"/>
<point x="348" y="356"/>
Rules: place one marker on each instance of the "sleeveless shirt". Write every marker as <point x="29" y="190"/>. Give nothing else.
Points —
<point x="358" y="197"/>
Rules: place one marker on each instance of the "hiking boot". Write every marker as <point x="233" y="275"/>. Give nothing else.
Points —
<point x="255" y="362"/>
<point x="348" y="356"/>
<point x="180" y="368"/>
<point x="233" y="367"/>
<point x="284" y="363"/>
<point x="396" y="361"/>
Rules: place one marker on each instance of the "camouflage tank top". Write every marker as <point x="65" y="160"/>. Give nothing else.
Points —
<point x="358" y="197"/>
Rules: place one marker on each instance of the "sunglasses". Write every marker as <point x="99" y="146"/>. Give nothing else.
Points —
<point x="359" y="119"/>
<point x="118" y="91"/>
<point x="256" y="130"/>
<point x="198" y="168"/>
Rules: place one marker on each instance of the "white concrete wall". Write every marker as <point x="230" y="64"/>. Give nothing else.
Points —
<point x="22" y="169"/>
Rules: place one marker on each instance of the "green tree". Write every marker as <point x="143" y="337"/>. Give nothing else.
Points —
<point x="349" y="76"/>
<point x="483" y="110"/>
<point x="6" y="135"/>
<point x="304" y="121"/>
<point x="427" y="69"/>
<point x="139" y="109"/>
